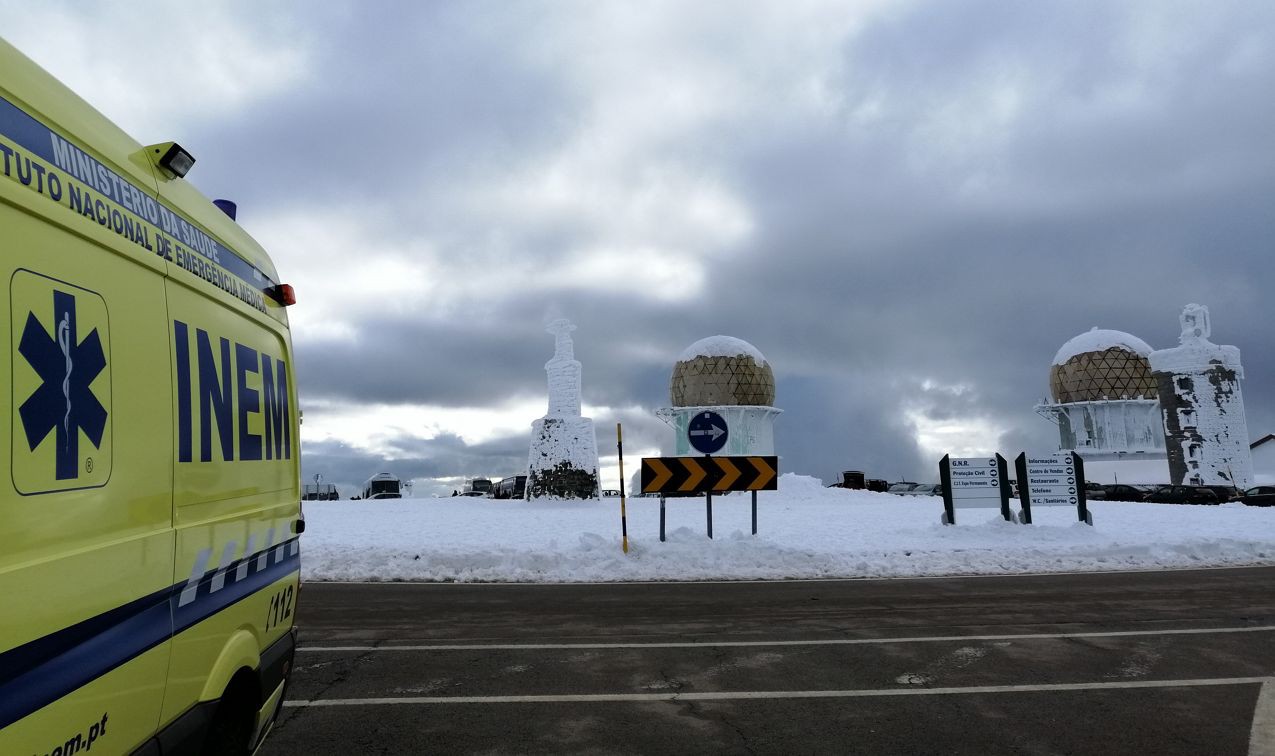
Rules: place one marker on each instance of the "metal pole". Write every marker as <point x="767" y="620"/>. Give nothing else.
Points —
<point x="754" y="513"/>
<point x="661" y="518"/>
<point x="708" y="498"/>
<point x="624" y="518"/>
<point x="708" y="504"/>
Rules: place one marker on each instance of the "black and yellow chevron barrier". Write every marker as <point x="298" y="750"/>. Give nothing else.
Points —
<point x="696" y="475"/>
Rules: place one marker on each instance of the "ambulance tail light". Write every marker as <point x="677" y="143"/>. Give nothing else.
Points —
<point x="284" y="294"/>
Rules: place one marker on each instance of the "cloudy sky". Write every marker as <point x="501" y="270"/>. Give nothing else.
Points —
<point x="907" y="206"/>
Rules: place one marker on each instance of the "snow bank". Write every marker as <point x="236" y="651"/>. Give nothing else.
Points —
<point x="805" y="531"/>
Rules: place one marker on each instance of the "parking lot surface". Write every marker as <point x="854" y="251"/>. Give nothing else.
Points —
<point x="1160" y="662"/>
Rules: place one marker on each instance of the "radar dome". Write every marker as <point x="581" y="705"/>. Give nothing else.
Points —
<point x="722" y="371"/>
<point x="1102" y="364"/>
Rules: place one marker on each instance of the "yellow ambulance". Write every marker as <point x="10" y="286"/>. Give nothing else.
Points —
<point x="150" y="501"/>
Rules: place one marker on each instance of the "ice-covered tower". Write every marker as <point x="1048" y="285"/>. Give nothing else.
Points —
<point x="563" y="462"/>
<point x="1204" y="426"/>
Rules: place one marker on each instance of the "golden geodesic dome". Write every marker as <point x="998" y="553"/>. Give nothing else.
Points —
<point x="1102" y="364"/>
<point x="722" y="371"/>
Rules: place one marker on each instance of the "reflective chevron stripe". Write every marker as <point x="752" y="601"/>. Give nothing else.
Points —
<point x="704" y="474"/>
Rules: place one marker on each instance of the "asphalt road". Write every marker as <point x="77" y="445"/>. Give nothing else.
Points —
<point x="1137" y="663"/>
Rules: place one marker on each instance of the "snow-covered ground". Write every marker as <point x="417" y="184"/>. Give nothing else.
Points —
<point x="804" y="531"/>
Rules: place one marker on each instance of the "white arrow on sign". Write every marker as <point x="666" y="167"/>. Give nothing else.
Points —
<point x="713" y="431"/>
<point x="1054" y="501"/>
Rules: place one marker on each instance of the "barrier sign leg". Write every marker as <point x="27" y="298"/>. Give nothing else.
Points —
<point x="708" y="505"/>
<point x="754" y="513"/>
<point x="661" y="518"/>
<point x="945" y="478"/>
<point x="1082" y="500"/>
<point x="1024" y="489"/>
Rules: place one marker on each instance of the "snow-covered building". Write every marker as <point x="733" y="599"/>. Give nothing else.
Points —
<point x="1263" y="452"/>
<point x="563" y="461"/>
<point x="1205" y="429"/>
<point x="1105" y="398"/>
<point x="732" y="378"/>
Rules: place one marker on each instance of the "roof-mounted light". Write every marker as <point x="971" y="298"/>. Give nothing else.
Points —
<point x="228" y="207"/>
<point x="172" y="158"/>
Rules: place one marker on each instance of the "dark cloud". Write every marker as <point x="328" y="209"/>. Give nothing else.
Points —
<point x="983" y="182"/>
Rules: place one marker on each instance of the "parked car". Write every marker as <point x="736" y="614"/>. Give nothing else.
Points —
<point x="1226" y="493"/>
<point x="926" y="489"/>
<point x="479" y="485"/>
<point x="1183" y="495"/>
<point x="1121" y="492"/>
<point x="1259" y="496"/>
<point x="901" y="487"/>
<point x="1095" y="491"/>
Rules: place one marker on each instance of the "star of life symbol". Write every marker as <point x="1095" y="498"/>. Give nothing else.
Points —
<point x="63" y="402"/>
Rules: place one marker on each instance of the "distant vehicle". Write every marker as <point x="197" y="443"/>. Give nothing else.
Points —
<point x="480" y="485"/>
<point x="513" y="487"/>
<point x="474" y="494"/>
<point x="383" y="486"/>
<point x="1121" y="492"/>
<point x="853" y="479"/>
<point x="926" y="489"/>
<point x="1225" y="493"/>
<point x="610" y="492"/>
<point x="901" y="487"/>
<point x="878" y="485"/>
<point x="1183" y="495"/>
<point x="319" y="492"/>
<point x="1259" y="496"/>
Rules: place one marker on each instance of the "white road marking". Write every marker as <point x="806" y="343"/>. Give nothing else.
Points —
<point x="778" y="694"/>
<point x="1261" y="741"/>
<point x="825" y="642"/>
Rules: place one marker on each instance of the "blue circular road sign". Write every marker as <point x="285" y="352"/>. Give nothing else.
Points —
<point x="707" y="432"/>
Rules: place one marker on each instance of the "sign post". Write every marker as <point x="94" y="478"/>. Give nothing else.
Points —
<point x="1052" y="480"/>
<point x="661" y="518"/>
<point x="624" y="519"/>
<point x="970" y="482"/>
<point x="708" y="503"/>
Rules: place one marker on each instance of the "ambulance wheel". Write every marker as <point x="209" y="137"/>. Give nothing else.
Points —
<point x="230" y="732"/>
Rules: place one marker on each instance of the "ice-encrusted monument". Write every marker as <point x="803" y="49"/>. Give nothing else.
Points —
<point x="1205" y="429"/>
<point x="563" y="462"/>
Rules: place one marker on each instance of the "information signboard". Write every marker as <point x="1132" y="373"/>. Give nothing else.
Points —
<point x="1052" y="480"/>
<point x="970" y="482"/>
